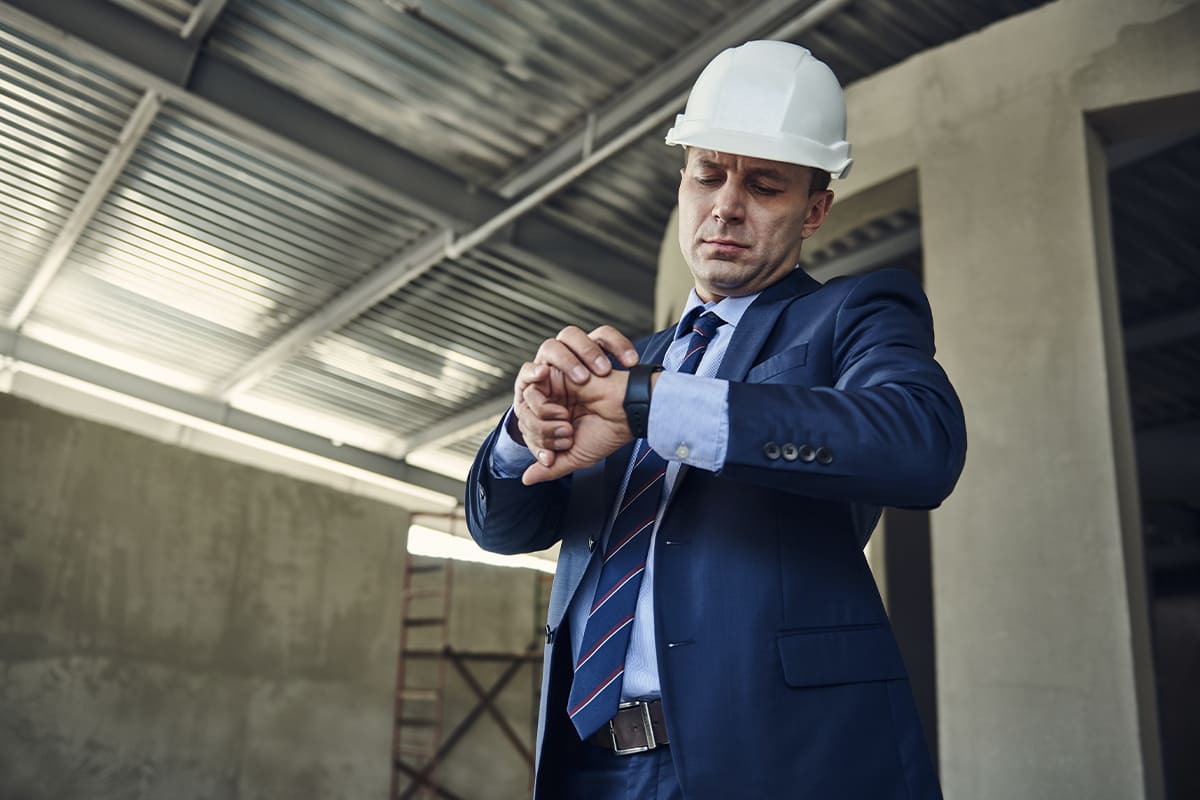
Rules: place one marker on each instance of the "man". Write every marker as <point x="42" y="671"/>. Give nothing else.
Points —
<point x="714" y="631"/>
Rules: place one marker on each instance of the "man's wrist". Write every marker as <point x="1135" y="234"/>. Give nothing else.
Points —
<point x="637" y="398"/>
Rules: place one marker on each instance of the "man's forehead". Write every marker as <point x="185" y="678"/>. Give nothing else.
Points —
<point x="716" y="158"/>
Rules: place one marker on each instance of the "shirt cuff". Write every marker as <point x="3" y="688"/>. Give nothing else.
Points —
<point x="510" y="458"/>
<point x="689" y="420"/>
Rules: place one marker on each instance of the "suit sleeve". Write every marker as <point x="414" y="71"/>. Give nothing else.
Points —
<point x="890" y="431"/>
<point x="504" y="515"/>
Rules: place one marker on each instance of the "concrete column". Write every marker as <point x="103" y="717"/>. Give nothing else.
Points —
<point x="1037" y="689"/>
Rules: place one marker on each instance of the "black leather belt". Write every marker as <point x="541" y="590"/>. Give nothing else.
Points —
<point x="637" y="727"/>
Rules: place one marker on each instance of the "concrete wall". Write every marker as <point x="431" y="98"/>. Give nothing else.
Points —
<point x="176" y="626"/>
<point x="1043" y="657"/>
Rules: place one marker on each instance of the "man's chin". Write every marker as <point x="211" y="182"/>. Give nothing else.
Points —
<point x="723" y="277"/>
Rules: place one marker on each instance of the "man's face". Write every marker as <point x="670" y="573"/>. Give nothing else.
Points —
<point x="742" y="220"/>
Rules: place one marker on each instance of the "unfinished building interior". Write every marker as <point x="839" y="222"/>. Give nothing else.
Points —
<point x="269" y="268"/>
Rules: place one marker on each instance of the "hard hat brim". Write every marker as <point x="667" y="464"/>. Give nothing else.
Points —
<point x="788" y="148"/>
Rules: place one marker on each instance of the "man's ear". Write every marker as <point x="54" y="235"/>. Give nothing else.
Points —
<point x="818" y="209"/>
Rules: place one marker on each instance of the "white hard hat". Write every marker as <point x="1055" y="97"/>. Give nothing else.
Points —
<point x="771" y="100"/>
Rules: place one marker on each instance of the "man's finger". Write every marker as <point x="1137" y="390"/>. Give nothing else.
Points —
<point x="558" y="355"/>
<point x="539" y="472"/>
<point x="588" y="352"/>
<point x="615" y="343"/>
<point x="554" y="436"/>
<point x="543" y="407"/>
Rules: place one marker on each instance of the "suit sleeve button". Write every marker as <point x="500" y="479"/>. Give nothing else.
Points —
<point x="807" y="454"/>
<point x="771" y="451"/>
<point x="790" y="452"/>
<point x="824" y="455"/>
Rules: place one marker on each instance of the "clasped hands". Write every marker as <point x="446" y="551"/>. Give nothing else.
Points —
<point x="569" y="401"/>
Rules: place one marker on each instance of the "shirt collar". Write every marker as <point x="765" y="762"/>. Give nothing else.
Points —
<point x="729" y="309"/>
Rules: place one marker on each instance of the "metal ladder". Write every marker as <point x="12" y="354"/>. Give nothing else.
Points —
<point x="421" y="677"/>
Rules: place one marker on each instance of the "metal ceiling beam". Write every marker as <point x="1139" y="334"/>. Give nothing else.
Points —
<point x="203" y="17"/>
<point x="379" y="284"/>
<point x="24" y="350"/>
<point x="879" y="253"/>
<point x="265" y="114"/>
<point x="456" y="427"/>
<point x="89" y="203"/>
<point x="662" y="89"/>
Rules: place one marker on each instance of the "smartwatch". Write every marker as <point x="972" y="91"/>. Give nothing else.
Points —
<point x="637" y="398"/>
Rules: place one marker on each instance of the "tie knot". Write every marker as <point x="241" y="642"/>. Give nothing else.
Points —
<point x="707" y="324"/>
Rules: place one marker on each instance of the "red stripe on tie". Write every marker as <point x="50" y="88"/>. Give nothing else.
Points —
<point x="641" y="527"/>
<point x="657" y="477"/>
<point x="628" y="577"/>
<point x="613" y="632"/>
<point x="603" y="685"/>
<point x="643" y="455"/>
<point x="695" y="350"/>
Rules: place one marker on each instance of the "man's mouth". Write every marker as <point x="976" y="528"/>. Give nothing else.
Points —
<point x="725" y="243"/>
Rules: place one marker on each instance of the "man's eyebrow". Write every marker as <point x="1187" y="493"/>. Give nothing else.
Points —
<point x="768" y="173"/>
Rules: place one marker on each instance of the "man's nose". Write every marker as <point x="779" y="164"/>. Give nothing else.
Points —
<point x="729" y="204"/>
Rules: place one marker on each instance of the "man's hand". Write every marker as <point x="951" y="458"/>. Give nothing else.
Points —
<point x="543" y="422"/>
<point x="580" y="355"/>
<point x="597" y="416"/>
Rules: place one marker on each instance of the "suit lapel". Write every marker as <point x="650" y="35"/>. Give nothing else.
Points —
<point x="758" y="321"/>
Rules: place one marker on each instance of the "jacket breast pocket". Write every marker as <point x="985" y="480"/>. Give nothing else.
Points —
<point x="834" y="656"/>
<point x="793" y="357"/>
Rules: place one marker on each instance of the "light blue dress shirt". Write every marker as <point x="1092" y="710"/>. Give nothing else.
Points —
<point x="689" y="424"/>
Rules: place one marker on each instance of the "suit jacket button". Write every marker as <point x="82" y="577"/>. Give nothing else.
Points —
<point x="591" y="543"/>
<point x="771" y="451"/>
<point x="790" y="452"/>
<point x="824" y="455"/>
<point x="807" y="454"/>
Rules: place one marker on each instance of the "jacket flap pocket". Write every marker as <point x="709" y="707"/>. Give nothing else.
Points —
<point x="780" y="362"/>
<point x="841" y="655"/>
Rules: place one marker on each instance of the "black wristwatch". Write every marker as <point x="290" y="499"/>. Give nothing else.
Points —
<point x="637" y="398"/>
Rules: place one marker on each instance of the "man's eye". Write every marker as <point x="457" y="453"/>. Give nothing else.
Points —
<point x="706" y="180"/>
<point x="767" y="190"/>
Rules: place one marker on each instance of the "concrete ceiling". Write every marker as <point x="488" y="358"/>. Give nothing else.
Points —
<point x="340" y="225"/>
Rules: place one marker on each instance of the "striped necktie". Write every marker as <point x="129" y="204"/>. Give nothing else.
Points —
<point x="596" y="689"/>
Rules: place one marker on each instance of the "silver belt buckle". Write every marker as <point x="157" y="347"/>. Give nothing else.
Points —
<point x="647" y="725"/>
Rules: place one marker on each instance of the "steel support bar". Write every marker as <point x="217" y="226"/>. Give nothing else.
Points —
<point x="459" y="425"/>
<point x="419" y="778"/>
<point x="490" y="706"/>
<point x="89" y="203"/>
<point x="203" y="17"/>
<point x="381" y="283"/>
<point x="876" y="254"/>
<point x="461" y="729"/>
<point x="25" y="350"/>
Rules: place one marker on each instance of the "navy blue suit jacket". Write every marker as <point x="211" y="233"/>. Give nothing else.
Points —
<point x="780" y="673"/>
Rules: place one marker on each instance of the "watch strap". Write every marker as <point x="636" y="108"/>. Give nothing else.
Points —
<point x="637" y="398"/>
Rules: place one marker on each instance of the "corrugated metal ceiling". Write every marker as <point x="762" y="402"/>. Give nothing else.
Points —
<point x="1157" y="245"/>
<point x="240" y="254"/>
